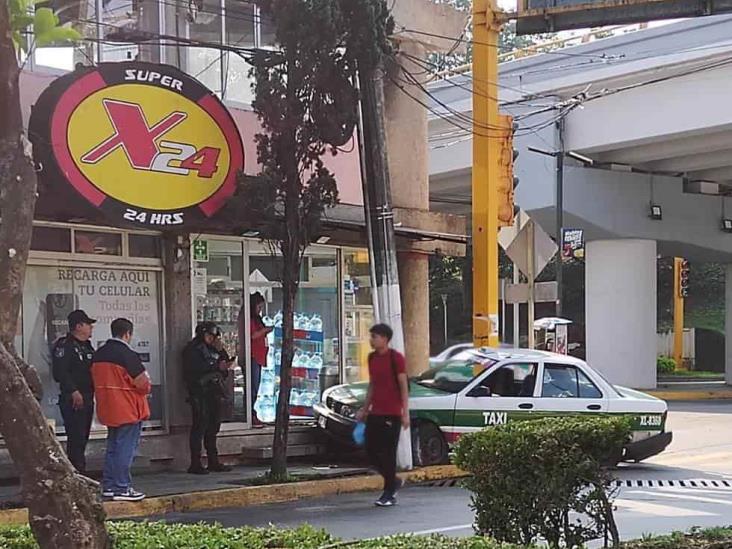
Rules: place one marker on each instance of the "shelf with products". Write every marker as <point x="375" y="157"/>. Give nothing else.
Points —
<point x="310" y="354"/>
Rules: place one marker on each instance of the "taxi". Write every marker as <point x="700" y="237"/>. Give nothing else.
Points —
<point x="481" y="388"/>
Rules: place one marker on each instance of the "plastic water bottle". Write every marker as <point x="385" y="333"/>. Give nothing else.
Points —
<point x="316" y="361"/>
<point x="278" y="319"/>
<point x="316" y="323"/>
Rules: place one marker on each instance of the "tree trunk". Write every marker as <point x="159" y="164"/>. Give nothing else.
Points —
<point x="65" y="512"/>
<point x="282" y="422"/>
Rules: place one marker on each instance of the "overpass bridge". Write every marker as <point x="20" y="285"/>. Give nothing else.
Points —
<point x="652" y="110"/>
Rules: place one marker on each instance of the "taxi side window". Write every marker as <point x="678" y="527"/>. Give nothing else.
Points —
<point x="564" y="381"/>
<point x="512" y="380"/>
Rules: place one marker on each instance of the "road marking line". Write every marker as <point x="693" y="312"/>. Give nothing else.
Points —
<point x="445" y="529"/>
<point x="657" y="509"/>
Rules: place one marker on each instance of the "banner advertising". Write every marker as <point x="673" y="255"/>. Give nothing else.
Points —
<point x="573" y="245"/>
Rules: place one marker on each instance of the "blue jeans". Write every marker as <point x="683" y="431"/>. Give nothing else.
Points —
<point x="122" y="444"/>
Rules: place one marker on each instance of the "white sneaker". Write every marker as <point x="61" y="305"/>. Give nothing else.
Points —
<point x="107" y="493"/>
<point x="130" y="495"/>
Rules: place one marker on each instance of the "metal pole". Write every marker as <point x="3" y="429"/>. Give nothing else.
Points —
<point x="678" y="315"/>
<point x="560" y="215"/>
<point x="531" y="276"/>
<point x="486" y="171"/>
<point x="444" y="314"/>
<point x="377" y="203"/>
<point x="516" y="311"/>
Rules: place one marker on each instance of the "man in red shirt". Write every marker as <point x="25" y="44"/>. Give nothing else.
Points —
<point x="386" y="409"/>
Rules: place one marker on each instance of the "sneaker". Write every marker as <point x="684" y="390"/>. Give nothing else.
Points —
<point x="386" y="501"/>
<point x="198" y="470"/>
<point x="130" y="495"/>
<point x="107" y="493"/>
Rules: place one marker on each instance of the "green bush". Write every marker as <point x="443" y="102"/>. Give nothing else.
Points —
<point x="160" y="535"/>
<point x="665" y="365"/>
<point x="544" y="479"/>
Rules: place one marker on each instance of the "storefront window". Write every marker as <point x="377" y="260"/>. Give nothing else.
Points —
<point x="217" y="289"/>
<point x="358" y="312"/>
<point x="145" y="245"/>
<point x="317" y="330"/>
<point x="51" y="293"/>
<point x="99" y="243"/>
<point x="51" y="239"/>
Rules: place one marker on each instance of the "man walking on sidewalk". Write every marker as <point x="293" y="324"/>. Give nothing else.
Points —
<point x="386" y="409"/>
<point x="122" y="386"/>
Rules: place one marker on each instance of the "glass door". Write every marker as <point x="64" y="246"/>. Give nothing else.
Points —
<point x="317" y="329"/>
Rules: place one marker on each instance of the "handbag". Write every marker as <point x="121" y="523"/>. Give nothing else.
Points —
<point x="404" y="446"/>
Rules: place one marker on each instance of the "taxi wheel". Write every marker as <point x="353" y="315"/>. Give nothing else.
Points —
<point x="433" y="448"/>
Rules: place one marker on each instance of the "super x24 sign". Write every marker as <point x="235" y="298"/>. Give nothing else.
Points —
<point x="146" y="144"/>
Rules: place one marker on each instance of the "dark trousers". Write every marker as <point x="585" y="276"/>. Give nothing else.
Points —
<point x="256" y="380"/>
<point x="122" y="444"/>
<point x="78" y="426"/>
<point x="206" y="411"/>
<point x="382" y="438"/>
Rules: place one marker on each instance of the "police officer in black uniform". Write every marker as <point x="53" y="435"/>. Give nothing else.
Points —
<point x="206" y="365"/>
<point x="72" y="360"/>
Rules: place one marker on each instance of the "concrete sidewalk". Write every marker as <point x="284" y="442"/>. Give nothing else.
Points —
<point x="692" y="390"/>
<point x="216" y="492"/>
<point x="169" y="483"/>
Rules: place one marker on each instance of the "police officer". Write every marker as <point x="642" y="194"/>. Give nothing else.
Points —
<point x="206" y="365"/>
<point x="72" y="359"/>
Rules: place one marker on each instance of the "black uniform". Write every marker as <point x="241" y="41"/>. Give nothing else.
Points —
<point x="205" y="382"/>
<point x="72" y="361"/>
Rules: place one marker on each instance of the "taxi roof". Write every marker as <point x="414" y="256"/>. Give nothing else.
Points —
<point x="501" y="354"/>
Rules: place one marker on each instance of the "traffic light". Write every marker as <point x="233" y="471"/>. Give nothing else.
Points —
<point x="684" y="279"/>
<point x="507" y="183"/>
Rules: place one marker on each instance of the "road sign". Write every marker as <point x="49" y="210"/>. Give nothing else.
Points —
<point x="536" y="16"/>
<point x="515" y="241"/>
<point x="200" y="250"/>
<point x="544" y="292"/>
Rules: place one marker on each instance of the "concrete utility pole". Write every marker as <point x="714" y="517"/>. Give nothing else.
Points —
<point x="560" y="216"/>
<point x="377" y="203"/>
<point x="486" y="168"/>
<point x="420" y="28"/>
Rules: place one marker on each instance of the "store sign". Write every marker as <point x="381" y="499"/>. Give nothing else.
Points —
<point x="146" y="144"/>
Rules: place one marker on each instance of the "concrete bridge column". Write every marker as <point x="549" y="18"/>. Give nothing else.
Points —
<point x="621" y="310"/>
<point x="728" y="325"/>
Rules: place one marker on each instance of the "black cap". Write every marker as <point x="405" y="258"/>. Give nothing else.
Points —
<point x="208" y="328"/>
<point x="79" y="317"/>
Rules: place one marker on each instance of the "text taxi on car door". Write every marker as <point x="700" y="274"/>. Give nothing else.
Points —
<point x="480" y="388"/>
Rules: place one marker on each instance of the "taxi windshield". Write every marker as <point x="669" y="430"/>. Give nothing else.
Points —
<point x="455" y="375"/>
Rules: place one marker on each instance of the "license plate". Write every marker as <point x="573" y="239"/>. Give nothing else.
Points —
<point x="322" y="422"/>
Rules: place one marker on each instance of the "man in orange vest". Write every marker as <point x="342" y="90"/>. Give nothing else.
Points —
<point x="122" y="386"/>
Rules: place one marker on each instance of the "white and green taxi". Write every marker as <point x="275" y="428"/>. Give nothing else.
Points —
<point x="480" y="388"/>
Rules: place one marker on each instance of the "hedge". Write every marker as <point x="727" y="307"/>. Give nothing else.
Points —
<point x="158" y="535"/>
<point x="544" y="479"/>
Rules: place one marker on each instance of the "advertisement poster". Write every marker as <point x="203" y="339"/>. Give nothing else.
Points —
<point x="573" y="245"/>
<point x="561" y="339"/>
<point x="105" y="294"/>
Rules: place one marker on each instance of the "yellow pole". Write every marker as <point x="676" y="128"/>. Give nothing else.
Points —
<point x="486" y="162"/>
<point x="678" y="315"/>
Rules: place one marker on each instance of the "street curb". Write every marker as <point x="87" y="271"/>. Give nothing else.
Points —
<point x="249" y="495"/>
<point x="691" y="395"/>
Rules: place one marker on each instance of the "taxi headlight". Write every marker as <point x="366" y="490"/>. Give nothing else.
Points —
<point x="348" y="412"/>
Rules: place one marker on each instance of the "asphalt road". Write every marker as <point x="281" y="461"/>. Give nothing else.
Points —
<point x="688" y="485"/>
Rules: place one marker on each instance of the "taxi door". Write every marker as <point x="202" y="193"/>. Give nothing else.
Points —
<point x="505" y="393"/>
<point x="565" y="389"/>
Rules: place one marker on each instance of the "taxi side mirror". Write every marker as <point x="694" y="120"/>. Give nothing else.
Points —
<point x="480" y="391"/>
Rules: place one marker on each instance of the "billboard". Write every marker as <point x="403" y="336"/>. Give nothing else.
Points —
<point x="536" y="16"/>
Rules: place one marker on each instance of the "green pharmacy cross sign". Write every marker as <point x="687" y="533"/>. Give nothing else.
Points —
<point x="200" y="250"/>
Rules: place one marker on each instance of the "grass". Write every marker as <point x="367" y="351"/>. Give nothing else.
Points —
<point x="693" y="374"/>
